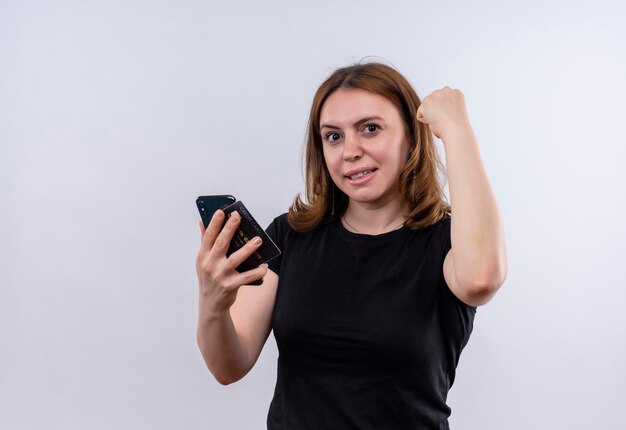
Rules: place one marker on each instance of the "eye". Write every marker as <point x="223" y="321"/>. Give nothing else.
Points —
<point x="371" y="128"/>
<point x="329" y="137"/>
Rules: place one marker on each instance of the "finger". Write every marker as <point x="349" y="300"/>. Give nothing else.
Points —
<point x="224" y="237"/>
<point x="213" y="229"/>
<point x="249" y="276"/>
<point x="201" y="224"/>
<point x="239" y="256"/>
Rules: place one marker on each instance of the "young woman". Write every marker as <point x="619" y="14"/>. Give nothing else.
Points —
<point x="373" y="297"/>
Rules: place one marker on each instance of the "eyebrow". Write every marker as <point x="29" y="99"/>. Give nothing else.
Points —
<point x="356" y="124"/>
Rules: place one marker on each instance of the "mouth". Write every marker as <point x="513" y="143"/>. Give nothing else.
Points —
<point x="360" y="174"/>
<point x="361" y="178"/>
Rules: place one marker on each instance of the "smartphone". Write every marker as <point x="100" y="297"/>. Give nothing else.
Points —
<point x="247" y="229"/>
<point x="207" y="205"/>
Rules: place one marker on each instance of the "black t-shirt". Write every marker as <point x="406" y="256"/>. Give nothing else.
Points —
<point x="369" y="334"/>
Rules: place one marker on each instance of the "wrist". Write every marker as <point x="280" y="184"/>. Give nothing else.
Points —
<point x="455" y="134"/>
<point x="211" y="312"/>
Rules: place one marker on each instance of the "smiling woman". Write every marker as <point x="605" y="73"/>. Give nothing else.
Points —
<point x="359" y="114"/>
<point x="365" y="154"/>
<point x="374" y="295"/>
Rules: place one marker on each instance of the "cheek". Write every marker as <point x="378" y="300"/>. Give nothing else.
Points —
<point x="396" y="159"/>
<point x="331" y="162"/>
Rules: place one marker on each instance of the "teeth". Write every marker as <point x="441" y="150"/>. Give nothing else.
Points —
<point x="360" y="174"/>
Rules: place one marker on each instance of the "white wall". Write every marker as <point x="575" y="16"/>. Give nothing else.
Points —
<point x="115" y="115"/>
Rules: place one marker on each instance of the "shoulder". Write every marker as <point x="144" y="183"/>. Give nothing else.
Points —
<point x="278" y="227"/>
<point x="280" y="220"/>
<point x="281" y="225"/>
<point x="441" y="231"/>
<point x="289" y="241"/>
<point x="435" y="236"/>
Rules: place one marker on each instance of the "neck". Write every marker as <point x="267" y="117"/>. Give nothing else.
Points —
<point x="369" y="219"/>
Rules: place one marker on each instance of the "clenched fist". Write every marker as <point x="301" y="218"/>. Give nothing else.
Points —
<point x="444" y="112"/>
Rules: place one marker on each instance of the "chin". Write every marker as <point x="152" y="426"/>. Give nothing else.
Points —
<point x="365" y="197"/>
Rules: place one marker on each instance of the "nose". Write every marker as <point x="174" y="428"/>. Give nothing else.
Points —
<point x="352" y="149"/>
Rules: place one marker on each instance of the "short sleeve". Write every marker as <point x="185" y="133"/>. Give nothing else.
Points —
<point x="277" y="231"/>
<point x="444" y="235"/>
<point x="458" y="317"/>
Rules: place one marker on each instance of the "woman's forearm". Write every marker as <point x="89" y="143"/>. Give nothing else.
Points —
<point x="223" y="352"/>
<point x="477" y="232"/>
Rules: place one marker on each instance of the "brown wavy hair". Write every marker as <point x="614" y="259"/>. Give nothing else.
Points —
<point x="419" y="181"/>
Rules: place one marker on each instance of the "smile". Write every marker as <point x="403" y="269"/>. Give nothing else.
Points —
<point x="361" y="177"/>
<point x="361" y="174"/>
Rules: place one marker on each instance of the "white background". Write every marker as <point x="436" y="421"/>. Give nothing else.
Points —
<point x="115" y="115"/>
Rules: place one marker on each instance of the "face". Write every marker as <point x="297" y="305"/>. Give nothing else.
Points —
<point x="364" y="145"/>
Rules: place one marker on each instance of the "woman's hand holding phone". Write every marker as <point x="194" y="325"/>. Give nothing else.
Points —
<point x="218" y="279"/>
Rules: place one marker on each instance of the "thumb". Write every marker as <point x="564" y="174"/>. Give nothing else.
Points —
<point x="420" y="115"/>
